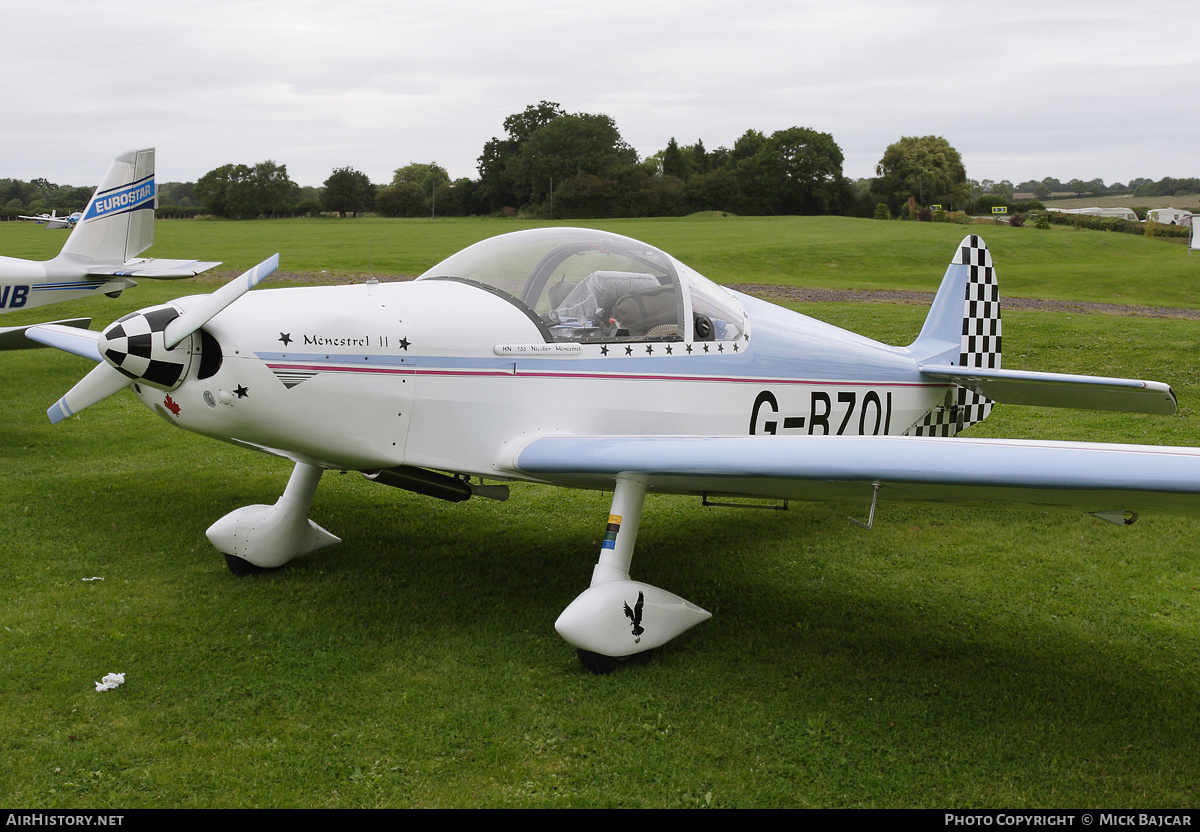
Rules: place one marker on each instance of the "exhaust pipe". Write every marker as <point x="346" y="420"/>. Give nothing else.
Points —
<point x="432" y="484"/>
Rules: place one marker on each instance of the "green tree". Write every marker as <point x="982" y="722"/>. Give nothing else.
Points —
<point x="925" y="168"/>
<point x="459" y="198"/>
<point x="748" y="145"/>
<point x="520" y="126"/>
<point x="226" y="191"/>
<point x="699" y="158"/>
<point x="14" y="193"/>
<point x="714" y="190"/>
<point x="431" y="180"/>
<point x="427" y="177"/>
<point x="404" y="200"/>
<point x="245" y="192"/>
<point x="812" y="171"/>
<point x="673" y="163"/>
<point x="794" y="171"/>
<point x="570" y="145"/>
<point x="1003" y="189"/>
<point x="180" y="194"/>
<point x="272" y="188"/>
<point x="498" y="153"/>
<point x="347" y="191"/>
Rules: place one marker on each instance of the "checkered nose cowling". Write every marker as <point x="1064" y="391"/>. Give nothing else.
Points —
<point x="134" y="345"/>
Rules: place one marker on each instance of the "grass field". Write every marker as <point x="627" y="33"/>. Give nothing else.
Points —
<point x="946" y="658"/>
<point x="1059" y="263"/>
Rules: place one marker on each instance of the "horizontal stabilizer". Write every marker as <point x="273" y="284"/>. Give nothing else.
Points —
<point x="81" y="342"/>
<point x="156" y="269"/>
<point x="1060" y="389"/>
<point x="18" y="337"/>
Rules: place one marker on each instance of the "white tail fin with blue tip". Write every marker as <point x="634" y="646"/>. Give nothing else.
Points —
<point x="118" y="223"/>
<point x="102" y="253"/>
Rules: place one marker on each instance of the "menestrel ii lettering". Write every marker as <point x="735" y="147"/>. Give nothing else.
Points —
<point x="127" y="199"/>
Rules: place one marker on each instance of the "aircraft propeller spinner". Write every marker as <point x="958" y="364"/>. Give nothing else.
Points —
<point x="144" y="346"/>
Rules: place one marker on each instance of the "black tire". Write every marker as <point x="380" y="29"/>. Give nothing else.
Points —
<point x="602" y="665"/>
<point x="242" y="567"/>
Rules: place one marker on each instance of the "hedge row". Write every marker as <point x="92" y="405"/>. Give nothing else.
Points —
<point x="1150" y="229"/>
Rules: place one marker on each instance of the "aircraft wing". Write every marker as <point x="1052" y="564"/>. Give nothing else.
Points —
<point x="54" y="220"/>
<point x="1100" y="478"/>
<point x="19" y="337"/>
<point x="156" y="269"/>
<point x="1060" y="389"/>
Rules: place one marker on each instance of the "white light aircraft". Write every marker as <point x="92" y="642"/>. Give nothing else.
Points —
<point x="53" y="221"/>
<point x="101" y="254"/>
<point x="584" y="359"/>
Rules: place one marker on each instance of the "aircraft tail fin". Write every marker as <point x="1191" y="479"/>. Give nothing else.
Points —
<point x="118" y="223"/>
<point x="962" y="329"/>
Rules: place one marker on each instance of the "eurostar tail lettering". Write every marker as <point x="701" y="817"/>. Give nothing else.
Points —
<point x="135" y="196"/>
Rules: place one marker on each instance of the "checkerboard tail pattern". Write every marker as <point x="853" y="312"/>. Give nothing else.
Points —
<point x="980" y="344"/>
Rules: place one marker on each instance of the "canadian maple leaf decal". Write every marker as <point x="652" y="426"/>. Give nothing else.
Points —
<point x="171" y="405"/>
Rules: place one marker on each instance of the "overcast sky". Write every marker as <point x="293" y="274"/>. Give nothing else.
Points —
<point x="1024" y="90"/>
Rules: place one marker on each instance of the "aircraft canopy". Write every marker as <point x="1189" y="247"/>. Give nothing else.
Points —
<point x="589" y="285"/>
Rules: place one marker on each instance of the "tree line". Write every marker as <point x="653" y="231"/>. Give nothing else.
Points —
<point x="554" y="164"/>
<point x="40" y="196"/>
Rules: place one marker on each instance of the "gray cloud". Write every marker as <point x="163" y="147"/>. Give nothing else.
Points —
<point x="1082" y="89"/>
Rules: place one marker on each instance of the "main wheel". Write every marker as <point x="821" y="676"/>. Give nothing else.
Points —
<point x="242" y="567"/>
<point x="603" y="665"/>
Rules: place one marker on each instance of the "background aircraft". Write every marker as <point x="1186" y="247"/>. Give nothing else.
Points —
<point x="584" y="359"/>
<point x="101" y="254"/>
<point x="53" y="221"/>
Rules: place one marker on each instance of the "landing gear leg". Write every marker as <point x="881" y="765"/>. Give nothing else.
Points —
<point x="269" y="536"/>
<point x="624" y="518"/>
<point x="616" y="620"/>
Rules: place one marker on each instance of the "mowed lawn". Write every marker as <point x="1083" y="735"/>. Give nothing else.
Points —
<point x="835" y="252"/>
<point x="965" y="658"/>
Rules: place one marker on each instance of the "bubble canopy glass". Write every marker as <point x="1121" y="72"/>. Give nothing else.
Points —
<point x="587" y="285"/>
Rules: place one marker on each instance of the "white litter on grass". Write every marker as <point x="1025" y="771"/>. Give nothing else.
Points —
<point x="110" y="682"/>
<point x="93" y="579"/>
